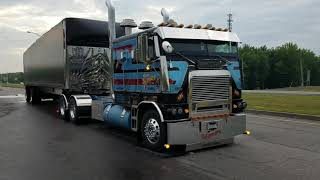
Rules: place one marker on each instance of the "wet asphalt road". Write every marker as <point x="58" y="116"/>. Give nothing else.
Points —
<point x="35" y="144"/>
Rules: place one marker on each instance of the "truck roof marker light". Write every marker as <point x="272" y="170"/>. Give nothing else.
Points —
<point x="207" y="26"/>
<point x="172" y="23"/>
<point x="197" y="26"/>
<point x="180" y="26"/>
<point x="162" y="24"/>
<point x="189" y="26"/>
<point x="247" y="132"/>
<point x="146" y="25"/>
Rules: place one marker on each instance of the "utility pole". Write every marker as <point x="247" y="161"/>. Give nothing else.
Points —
<point x="230" y="20"/>
<point x="308" y="77"/>
<point x="301" y="71"/>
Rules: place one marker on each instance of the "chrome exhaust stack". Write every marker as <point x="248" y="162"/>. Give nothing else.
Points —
<point x="111" y="22"/>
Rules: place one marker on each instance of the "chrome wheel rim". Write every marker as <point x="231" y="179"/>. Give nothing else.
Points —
<point x="152" y="131"/>
<point x="72" y="112"/>
<point x="62" y="109"/>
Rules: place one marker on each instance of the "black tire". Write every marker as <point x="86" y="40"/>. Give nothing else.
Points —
<point x="28" y="94"/>
<point x="73" y="111"/>
<point x="36" y="96"/>
<point x="153" y="135"/>
<point x="63" y="111"/>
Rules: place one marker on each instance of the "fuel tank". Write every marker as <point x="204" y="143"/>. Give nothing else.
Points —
<point x="117" y="116"/>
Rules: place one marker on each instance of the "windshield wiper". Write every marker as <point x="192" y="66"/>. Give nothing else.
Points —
<point x="186" y="58"/>
<point x="224" y="59"/>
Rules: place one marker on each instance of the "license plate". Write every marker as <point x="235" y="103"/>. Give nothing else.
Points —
<point x="212" y="125"/>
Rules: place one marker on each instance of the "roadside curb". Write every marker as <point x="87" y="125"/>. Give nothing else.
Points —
<point x="284" y="114"/>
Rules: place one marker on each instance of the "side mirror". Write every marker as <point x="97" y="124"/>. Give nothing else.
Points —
<point x="167" y="47"/>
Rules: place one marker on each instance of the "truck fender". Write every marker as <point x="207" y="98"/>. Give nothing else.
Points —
<point x="65" y="100"/>
<point x="82" y="100"/>
<point x="155" y="105"/>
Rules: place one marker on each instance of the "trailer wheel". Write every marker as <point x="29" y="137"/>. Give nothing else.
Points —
<point x="28" y="94"/>
<point x="35" y="96"/>
<point x="73" y="111"/>
<point x="63" y="111"/>
<point x="153" y="131"/>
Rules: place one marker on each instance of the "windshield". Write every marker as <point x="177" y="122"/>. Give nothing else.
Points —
<point x="204" y="48"/>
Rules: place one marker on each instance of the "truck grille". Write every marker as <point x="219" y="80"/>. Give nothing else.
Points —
<point x="210" y="88"/>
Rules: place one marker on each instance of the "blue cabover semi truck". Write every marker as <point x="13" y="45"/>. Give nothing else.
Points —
<point x="171" y="84"/>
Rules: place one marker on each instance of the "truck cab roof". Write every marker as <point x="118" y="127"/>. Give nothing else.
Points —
<point x="186" y="33"/>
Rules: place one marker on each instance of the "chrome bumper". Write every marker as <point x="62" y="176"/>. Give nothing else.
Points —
<point x="201" y="134"/>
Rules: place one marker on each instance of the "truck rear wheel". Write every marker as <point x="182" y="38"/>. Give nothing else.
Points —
<point x="73" y="111"/>
<point x="153" y="131"/>
<point x="63" y="111"/>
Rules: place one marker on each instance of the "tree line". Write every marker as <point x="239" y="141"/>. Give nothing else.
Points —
<point x="263" y="68"/>
<point x="15" y="78"/>
<point x="268" y="68"/>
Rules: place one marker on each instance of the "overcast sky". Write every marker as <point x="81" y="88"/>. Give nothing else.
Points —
<point x="257" y="22"/>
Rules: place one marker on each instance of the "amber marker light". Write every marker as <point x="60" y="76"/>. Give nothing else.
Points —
<point x="167" y="146"/>
<point x="148" y="67"/>
<point x="180" y="97"/>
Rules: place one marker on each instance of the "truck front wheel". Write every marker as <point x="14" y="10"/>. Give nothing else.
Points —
<point x="153" y="131"/>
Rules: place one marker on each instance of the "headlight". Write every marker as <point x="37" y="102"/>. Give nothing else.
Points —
<point x="175" y="111"/>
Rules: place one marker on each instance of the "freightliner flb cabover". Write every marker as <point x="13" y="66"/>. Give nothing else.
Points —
<point x="172" y="85"/>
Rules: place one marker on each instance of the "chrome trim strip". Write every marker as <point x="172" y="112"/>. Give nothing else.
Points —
<point x="177" y="121"/>
<point x="155" y="105"/>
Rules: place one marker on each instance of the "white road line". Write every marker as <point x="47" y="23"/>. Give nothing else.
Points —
<point x="12" y="96"/>
<point x="285" y="120"/>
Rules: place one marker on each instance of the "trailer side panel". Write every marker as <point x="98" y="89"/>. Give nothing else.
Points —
<point x="44" y="61"/>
